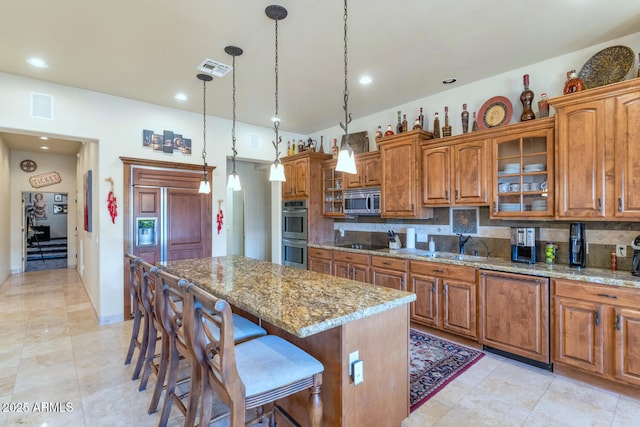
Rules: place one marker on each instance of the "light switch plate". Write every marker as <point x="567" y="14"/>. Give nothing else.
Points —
<point x="353" y="356"/>
<point x="358" y="372"/>
<point x="621" y="251"/>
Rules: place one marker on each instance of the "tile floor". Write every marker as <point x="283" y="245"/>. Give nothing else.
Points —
<point x="49" y="370"/>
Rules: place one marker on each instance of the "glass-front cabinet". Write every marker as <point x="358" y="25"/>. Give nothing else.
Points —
<point x="332" y="187"/>
<point x="523" y="171"/>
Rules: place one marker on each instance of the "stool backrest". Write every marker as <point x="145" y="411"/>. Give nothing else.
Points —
<point x="134" y="277"/>
<point x="215" y="352"/>
<point x="169" y="303"/>
<point x="147" y="287"/>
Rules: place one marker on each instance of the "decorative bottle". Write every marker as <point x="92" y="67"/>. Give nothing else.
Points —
<point x="321" y="149"/>
<point x="446" y="129"/>
<point x="334" y="149"/>
<point x="399" y="125"/>
<point x="405" y="125"/>
<point x="474" y="126"/>
<point x="638" y="66"/>
<point x="293" y="147"/>
<point x="416" y="124"/>
<point x="465" y="119"/>
<point x="436" y="126"/>
<point x="379" y="132"/>
<point x="389" y="131"/>
<point x="421" y="116"/>
<point x="288" y="148"/>
<point x="526" y="98"/>
<point x="573" y="84"/>
<point x="543" y="106"/>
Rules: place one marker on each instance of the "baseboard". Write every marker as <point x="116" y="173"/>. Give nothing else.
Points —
<point x="107" y="320"/>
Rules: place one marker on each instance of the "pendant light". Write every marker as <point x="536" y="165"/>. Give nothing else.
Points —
<point x="234" y="179"/>
<point x="276" y="172"/>
<point x="346" y="160"/>
<point x="205" y="187"/>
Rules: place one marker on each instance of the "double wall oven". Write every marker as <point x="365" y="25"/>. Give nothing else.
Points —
<point x="294" y="233"/>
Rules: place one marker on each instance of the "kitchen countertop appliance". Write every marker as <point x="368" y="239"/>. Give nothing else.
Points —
<point x="635" y="263"/>
<point x="523" y="244"/>
<point x="577" y="245"/>
<point x="364" y="201"/>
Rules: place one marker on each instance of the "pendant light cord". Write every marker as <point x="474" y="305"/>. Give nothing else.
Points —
<point x="233" y="126"/>
<point x="204" y="125"/>
<point x="347" y="116"/>
<point x="276" y="122"/>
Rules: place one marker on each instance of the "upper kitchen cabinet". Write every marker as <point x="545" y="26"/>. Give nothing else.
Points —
<point x="369" y="170"/>
<point x="597" y="164"/>
<point x="400" y="156"/>
<point x="332" y="187"/>
<point x="303" y="173"/>
<point x="522" y="178"/>
<point x="455" y="174"/>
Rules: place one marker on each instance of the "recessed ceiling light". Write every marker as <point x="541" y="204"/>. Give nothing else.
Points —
<point x="43" y="137"/>
<point x="37" y="62"/>
<point x="181" y="97"/>
<point x="44" y="147"/>
<point x="365" y="80"/>
<point x="449" y="81"/>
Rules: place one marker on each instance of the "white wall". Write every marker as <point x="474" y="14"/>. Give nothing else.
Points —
<point x="113" y="127"/>
<point x="5" y="224"/>
<point x="547" y="76"/>
<point x="66" y="167"/>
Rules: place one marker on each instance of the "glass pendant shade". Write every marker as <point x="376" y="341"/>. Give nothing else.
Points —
<point x="277" y="172"/>
<point x="346" y="161"/>
<point x="205" y="187"/>
<point x="234" y="182"/>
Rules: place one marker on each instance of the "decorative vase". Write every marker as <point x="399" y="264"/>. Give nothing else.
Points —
<point x="543" y="106"/>
<point x="474" y="127"/>
<point x="526" y="98"/>
<point x="446" y="129"/>
<point x="436" y="126"/>
<point x="465" y="119"/>
<point x="573" y="84"/>
<point x="389" y="131"/>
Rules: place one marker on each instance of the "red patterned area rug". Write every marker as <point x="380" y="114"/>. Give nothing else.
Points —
<point x="434" y="363"/>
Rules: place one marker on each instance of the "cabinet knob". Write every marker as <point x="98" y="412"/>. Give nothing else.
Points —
<point x="457" y="196"/>
<point x="439" y="271"/>
<point x="433" y="288"/>
<point x="446" y="194"/>
<point x="599" y="204"/>
<point x="597" y="318"/>
<point x="619" y="204"/>
<point x="618" y="322"/>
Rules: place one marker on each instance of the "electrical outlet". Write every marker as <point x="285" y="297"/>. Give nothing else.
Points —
<point x="621" y="251"/>
<point x="354" y="356"/>
<point x="421" y="237"/>
<point x="358" y="372"/>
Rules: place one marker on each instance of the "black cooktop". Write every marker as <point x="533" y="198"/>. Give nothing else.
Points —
<point x="365" y="246"/>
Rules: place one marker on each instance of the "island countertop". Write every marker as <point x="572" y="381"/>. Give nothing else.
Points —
<point x="300" y="302"/>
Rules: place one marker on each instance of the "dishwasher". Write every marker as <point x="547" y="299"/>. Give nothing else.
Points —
<point x="514" y="317"/>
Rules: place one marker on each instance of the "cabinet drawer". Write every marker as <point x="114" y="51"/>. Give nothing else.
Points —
<point x="389" y="263"/>
<point x="320" y="253"/>
<point x="351" y="257"/>
<point x="614" y="295"/>
<point x="464" y="274"/>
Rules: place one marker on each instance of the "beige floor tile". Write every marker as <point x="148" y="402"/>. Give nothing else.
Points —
<point x="487" y="406"/>
<point x="427" y="414"/>
<point x="627" y="413"/>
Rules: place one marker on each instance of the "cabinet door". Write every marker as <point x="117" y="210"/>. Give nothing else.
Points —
<point x="399" y="180"/>
<point x="627" y="163"/>
<point x="389" y="278"/>
<point x="515" y="314"/>
<point x="301" y="170"/>
<point x="627" y="345"/>
<point x="372" y="170"/>
<point x="319" y="265"/>
<point x="424" y="309"/>
<point x="459" y="308"/>
<point x="578" y="334"/>
<point x="360" y="272"/>
<point x="470" y="173"/>
<point x="341" y="269"/>
<point x="580" y="185"/>
<point x="435" y="176"/>
<point x="288" y="185"/>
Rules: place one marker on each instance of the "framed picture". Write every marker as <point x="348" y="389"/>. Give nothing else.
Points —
<point x="59" y="209"/>
<point x="359" y="142"/>
<point x="57" y="197"/>
<point x="147" y="138"/>
<point x="87" y="201"/>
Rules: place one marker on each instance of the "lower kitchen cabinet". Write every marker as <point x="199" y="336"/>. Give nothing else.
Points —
<point x="320" y="260"/>
<point x="349" y="265"/>
<point x="445" y="297"/>
<point x="389" y="272"/>
<point x="514" y="314"/>
<point x="597" y="329"/>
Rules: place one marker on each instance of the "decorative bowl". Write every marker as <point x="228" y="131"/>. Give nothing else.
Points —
<point x="610" y="65"/>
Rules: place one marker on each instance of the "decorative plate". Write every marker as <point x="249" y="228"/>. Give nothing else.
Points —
<point x="496" y="111"/>
<point x="610" y="65"/>
<point x="28" y="165"/>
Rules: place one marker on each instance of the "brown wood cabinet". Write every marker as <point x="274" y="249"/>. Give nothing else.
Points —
<point x="597" y="160"/>
<point x="302" y="173"/>
<point x="320" y="260"/>
<point x="389" y="272"/>
<point x="369" y="171"/>
<point x="514" y="314"/>
<point x="351" y="265"/>
<point x="401" y="194"/>
<point x="445" y="297"/>
<point x="597" y="329"/>
<point x="332" y="189"/>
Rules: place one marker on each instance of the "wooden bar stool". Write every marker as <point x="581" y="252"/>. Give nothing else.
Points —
<point x="134" y="293"/>
<point x="249" y="375"/>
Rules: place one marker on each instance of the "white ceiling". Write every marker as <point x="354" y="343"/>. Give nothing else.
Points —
<point x="148" y="50"/>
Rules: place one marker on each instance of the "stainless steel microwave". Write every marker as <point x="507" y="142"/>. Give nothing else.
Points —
<point x="364" y="201"/>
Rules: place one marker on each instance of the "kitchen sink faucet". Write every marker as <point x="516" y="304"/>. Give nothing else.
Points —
<point x="461" y="242"/>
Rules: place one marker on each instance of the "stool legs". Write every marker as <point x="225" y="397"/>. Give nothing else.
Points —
<point x="143" y="348"/>
<point x="134" y="333"/>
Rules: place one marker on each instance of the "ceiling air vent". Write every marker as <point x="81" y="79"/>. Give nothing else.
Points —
<point x="214" y="68"/>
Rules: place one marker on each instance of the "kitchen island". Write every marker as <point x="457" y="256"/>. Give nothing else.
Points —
<point x="328" y="317"/>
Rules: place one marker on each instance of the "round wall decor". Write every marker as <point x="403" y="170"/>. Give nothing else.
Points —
<point x="28" y="165"/>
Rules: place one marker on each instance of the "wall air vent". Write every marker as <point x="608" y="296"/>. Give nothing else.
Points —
<point x="214" y="68"/>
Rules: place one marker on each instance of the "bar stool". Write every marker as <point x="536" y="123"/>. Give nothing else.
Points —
<point x="249" y="375"/>
<point x="169" y="306"/>
<point x="152" y="360"/>
<point x="134" y="293"/>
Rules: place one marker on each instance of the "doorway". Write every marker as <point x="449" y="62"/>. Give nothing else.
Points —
<point x="45" y="244"/>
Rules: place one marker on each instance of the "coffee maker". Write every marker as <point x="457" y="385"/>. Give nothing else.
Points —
<point x="635" y="264"/>
<point x="577" y="245"/>
<point x="523" y="244"/>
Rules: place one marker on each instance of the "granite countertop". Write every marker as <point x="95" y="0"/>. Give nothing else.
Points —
<point x="298" y="301"/>
<point x="558" y="271"/>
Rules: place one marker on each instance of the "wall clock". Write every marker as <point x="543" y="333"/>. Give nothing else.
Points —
<point x="28" y="165"/>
